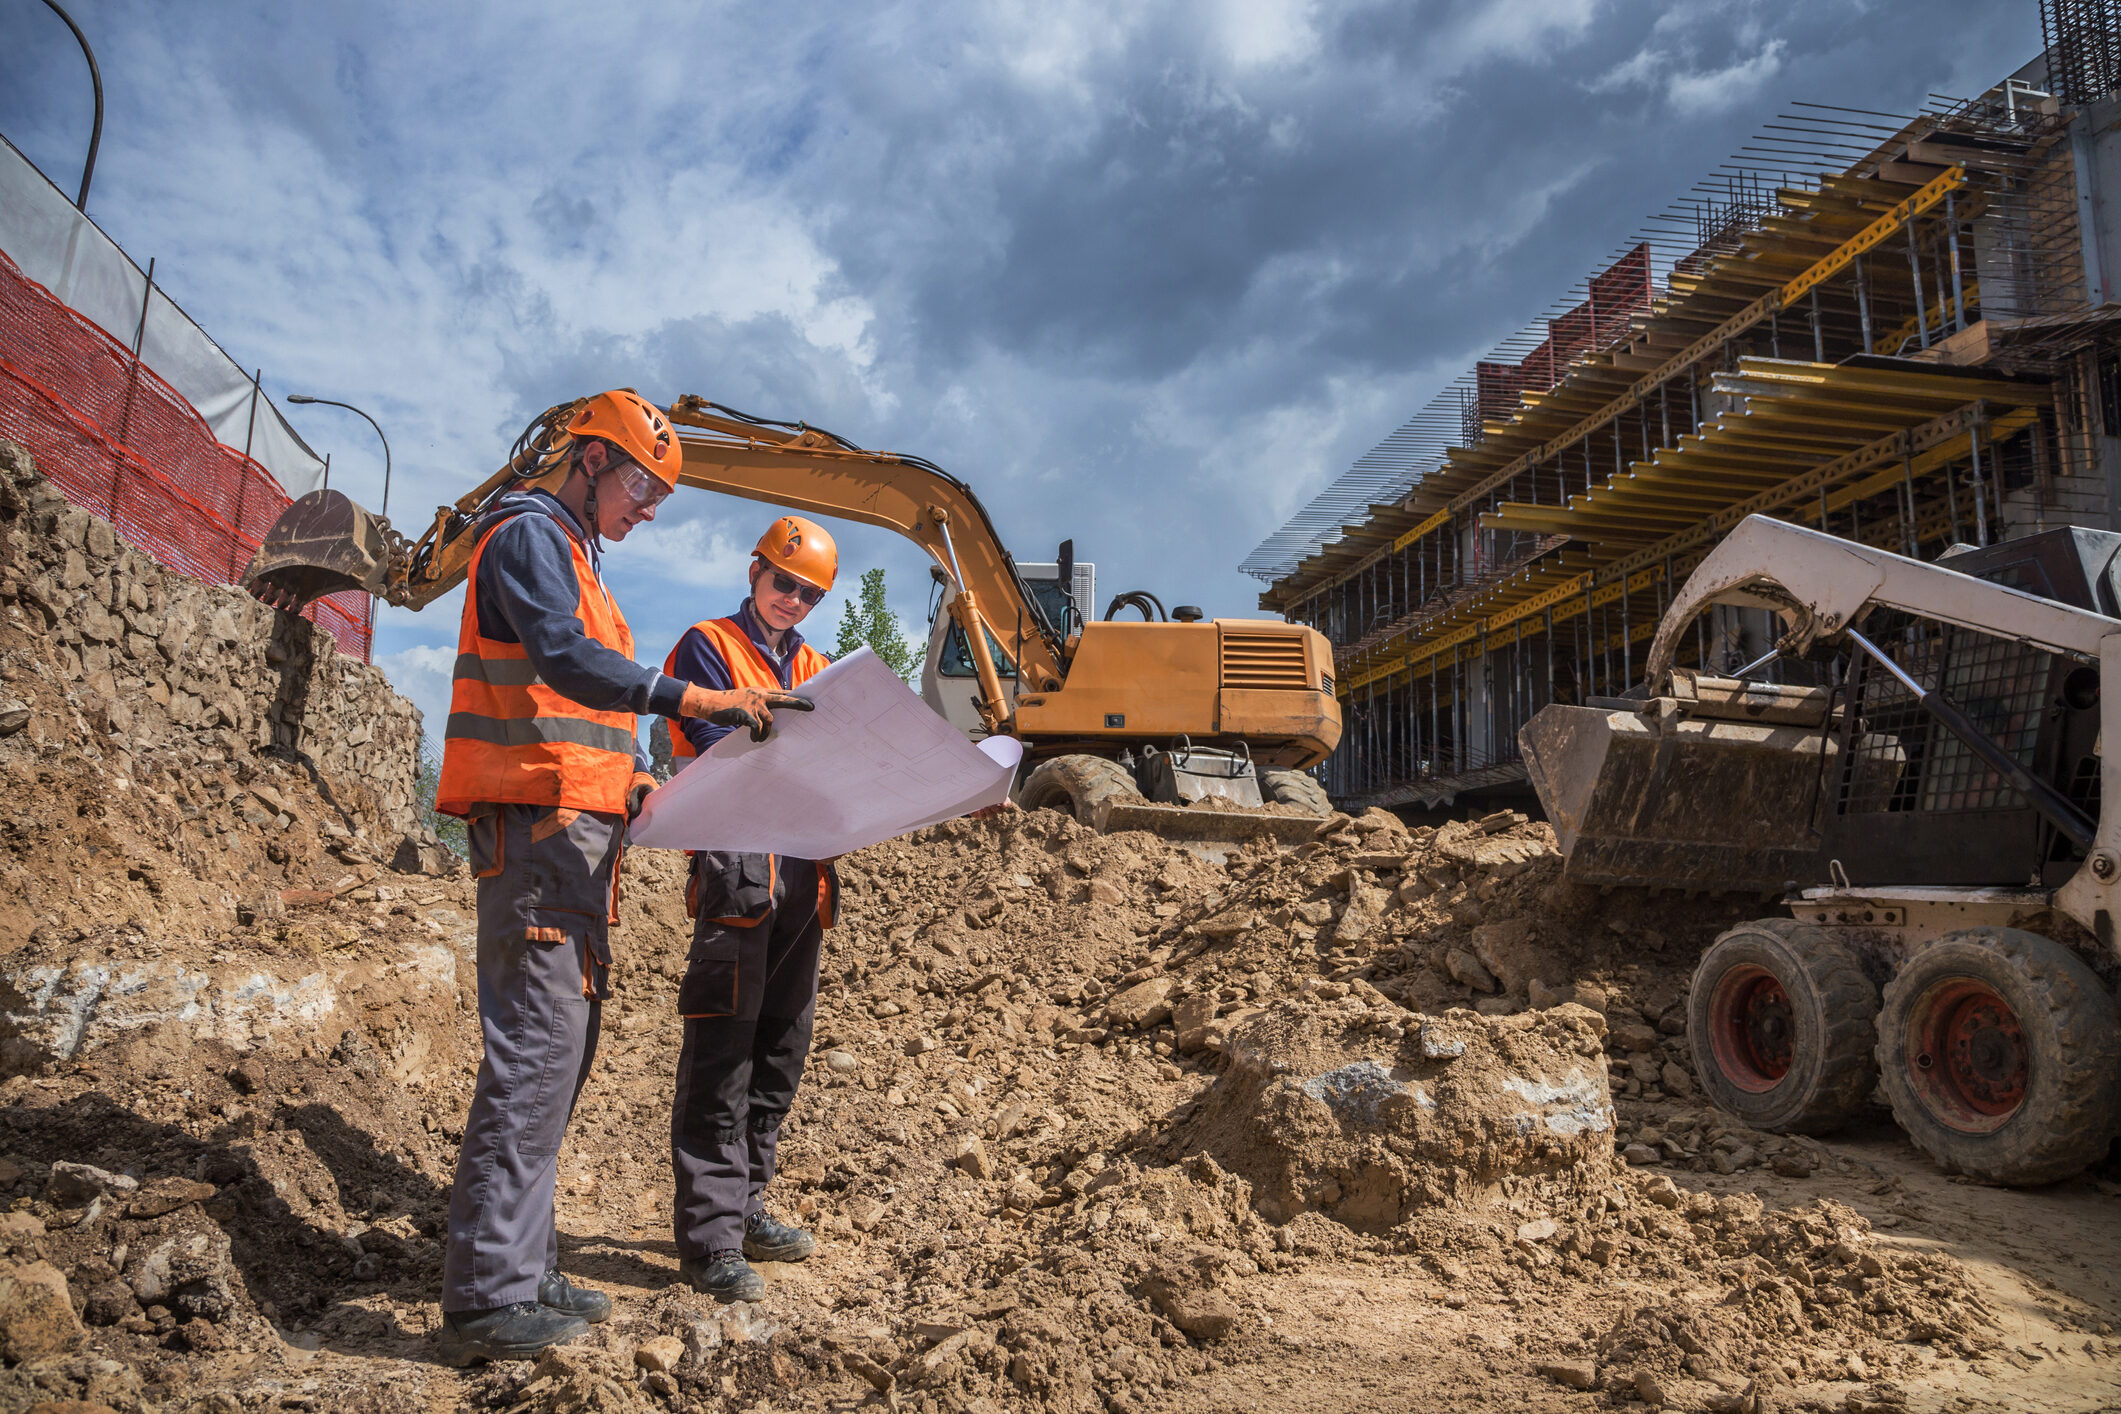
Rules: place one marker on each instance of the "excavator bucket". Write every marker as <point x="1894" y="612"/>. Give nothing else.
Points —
<point x="320" y="545"/>
<point x="1717" y="790"/>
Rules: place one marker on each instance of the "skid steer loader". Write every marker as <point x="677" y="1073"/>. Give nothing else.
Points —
<point x="1929" y="814"/>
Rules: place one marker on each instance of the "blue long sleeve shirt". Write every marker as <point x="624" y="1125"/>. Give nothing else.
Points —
<point x="698" y="660"/>
<point x="528" y="594"/>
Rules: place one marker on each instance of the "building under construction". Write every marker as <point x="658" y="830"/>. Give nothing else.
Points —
<point x="1905" y="329"/>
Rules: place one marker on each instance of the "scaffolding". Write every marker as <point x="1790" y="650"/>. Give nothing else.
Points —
<point x="1880" y="325"/>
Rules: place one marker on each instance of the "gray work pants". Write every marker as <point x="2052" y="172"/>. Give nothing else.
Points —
<point x="545" y="880"/>
<point x="748" y="998"/>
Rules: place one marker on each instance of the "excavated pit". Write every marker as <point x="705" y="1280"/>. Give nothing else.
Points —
<point x="1092" y="1123"/>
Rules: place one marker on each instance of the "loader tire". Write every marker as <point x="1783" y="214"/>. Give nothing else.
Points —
<point x="2000" y="1051"/>
<point x="1076" y="784"/>
<point x="1781" y="1021"/>
<point x="1297" y="788"/>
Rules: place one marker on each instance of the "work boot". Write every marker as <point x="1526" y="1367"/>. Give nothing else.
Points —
<point x="506" y="1332"/>
<point x="563" y="1295"/>
<point x="724" y="1275"/>
<point x="767" y="1239"/>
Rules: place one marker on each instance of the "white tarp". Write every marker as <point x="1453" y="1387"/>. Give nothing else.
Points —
<point x="68" y="254"/>
<point x="870" y="763"/>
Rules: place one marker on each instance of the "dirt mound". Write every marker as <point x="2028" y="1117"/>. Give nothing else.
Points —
<point x="1371" y="1116"/>
<point x="1093" y="1123"/>
<point x="169" y="749"/>
<point x="1798" y="1295"/>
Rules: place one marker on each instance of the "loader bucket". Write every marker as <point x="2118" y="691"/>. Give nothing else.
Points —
<point x="1671" y="801"/>
<point x="320" y="545"/>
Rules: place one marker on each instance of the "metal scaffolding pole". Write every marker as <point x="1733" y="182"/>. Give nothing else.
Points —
<point x="1914" y="269"/>
<point x="1973" y="446"/>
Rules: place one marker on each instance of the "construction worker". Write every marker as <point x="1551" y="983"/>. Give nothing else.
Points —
<point x="540" y="757"/>
<point x="750" y="987"/>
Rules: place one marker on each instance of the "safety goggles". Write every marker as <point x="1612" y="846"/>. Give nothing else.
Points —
<point x="647" y="492"/>
<point x="788" y="584"/>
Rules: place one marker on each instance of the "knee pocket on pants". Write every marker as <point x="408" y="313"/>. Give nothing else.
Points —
<point x="715" y="980"/>
<point x="580" y="961"/>
<point x="558" y="1068"/>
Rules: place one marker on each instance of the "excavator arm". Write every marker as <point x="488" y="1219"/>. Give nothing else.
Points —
<point x="325" y="543"/>
<point x="812" y="471"/>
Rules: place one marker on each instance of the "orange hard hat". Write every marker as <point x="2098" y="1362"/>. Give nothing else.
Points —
<point x="630" y="423"/>
<point x="802" y="548"/>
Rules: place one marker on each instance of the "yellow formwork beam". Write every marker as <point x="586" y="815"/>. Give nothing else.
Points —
<point x="1873" y="235"/>
<point x="1925" y="449"/>
<point x="1824" y="269"/>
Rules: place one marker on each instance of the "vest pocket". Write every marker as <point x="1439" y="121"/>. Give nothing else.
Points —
<point x="732" y="889"/>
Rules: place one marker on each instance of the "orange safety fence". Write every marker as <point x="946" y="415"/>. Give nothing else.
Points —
<point x="123" y="444"/>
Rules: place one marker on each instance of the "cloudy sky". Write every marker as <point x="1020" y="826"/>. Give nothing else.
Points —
<point x="1146" y="275"/>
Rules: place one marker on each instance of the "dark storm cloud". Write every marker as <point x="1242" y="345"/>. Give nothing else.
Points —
<point x="1145" y="275"/>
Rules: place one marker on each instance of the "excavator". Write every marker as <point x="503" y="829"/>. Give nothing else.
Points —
<point x="1170" y="723"/>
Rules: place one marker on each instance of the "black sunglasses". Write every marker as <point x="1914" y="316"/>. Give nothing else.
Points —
<point x="789" y="584"/>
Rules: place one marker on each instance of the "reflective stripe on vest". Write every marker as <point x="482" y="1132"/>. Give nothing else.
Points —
<point x="512" y="740"/>
<point x="747" y="668"/>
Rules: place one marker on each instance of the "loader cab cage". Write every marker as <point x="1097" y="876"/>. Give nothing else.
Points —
<point x="1913" y="801"/>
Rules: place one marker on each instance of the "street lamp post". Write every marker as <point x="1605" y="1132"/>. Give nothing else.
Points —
<point x="95" y="133"/>
<point x="333" y="402"/>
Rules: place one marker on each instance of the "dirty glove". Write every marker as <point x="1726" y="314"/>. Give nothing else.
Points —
<point x="750" y="707"/>
<point x="637" y="794"/>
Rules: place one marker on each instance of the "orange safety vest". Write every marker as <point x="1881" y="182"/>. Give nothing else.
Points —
<point x="511" y="739"/>
<point x="748" y="668"/>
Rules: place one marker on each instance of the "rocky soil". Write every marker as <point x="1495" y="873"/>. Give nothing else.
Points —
<point x="1391" y="1120"/>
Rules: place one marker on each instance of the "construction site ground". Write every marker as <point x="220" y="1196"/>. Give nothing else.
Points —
<point x="1394" y="1119"/>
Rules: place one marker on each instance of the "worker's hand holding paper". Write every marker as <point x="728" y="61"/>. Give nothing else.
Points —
<point x="871" y="762"/>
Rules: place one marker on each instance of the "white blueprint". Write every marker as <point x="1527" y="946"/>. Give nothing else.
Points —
<point x="872" y="762"/>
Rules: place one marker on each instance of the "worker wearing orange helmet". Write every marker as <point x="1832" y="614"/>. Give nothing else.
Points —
<point x="750" y="987"/>
<point x="541" y="758"/>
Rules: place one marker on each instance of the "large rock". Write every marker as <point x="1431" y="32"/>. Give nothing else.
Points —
<point x="1507" y="949"/>
<point x="185" y="1270"/>
<point x="1364" y="915"/>
<point x="1143" y="1004"/>
<point x="1326" y="1110"/>
<point x="57" y="1008"/>
<point x="72" y="1184"/>
<point x="37" y="1317"/>
<point x="1189" y="1303"/>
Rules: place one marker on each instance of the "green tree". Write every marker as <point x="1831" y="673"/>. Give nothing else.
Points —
<point x="867" y="621"/>
<point x="448" y="828"/>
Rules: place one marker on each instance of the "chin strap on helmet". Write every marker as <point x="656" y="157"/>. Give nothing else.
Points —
<point x="594" y="529"/>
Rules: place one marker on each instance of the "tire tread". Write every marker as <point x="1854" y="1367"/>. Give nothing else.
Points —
<point x="1847" y="1005"/>
<point x="1298" y="788"/>
<point x="2082" y="1052"/>
<point x="1086" y="782"/>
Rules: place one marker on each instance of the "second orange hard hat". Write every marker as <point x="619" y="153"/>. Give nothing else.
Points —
<point x="801" y="547"/>
<point x="629" y="422"/>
